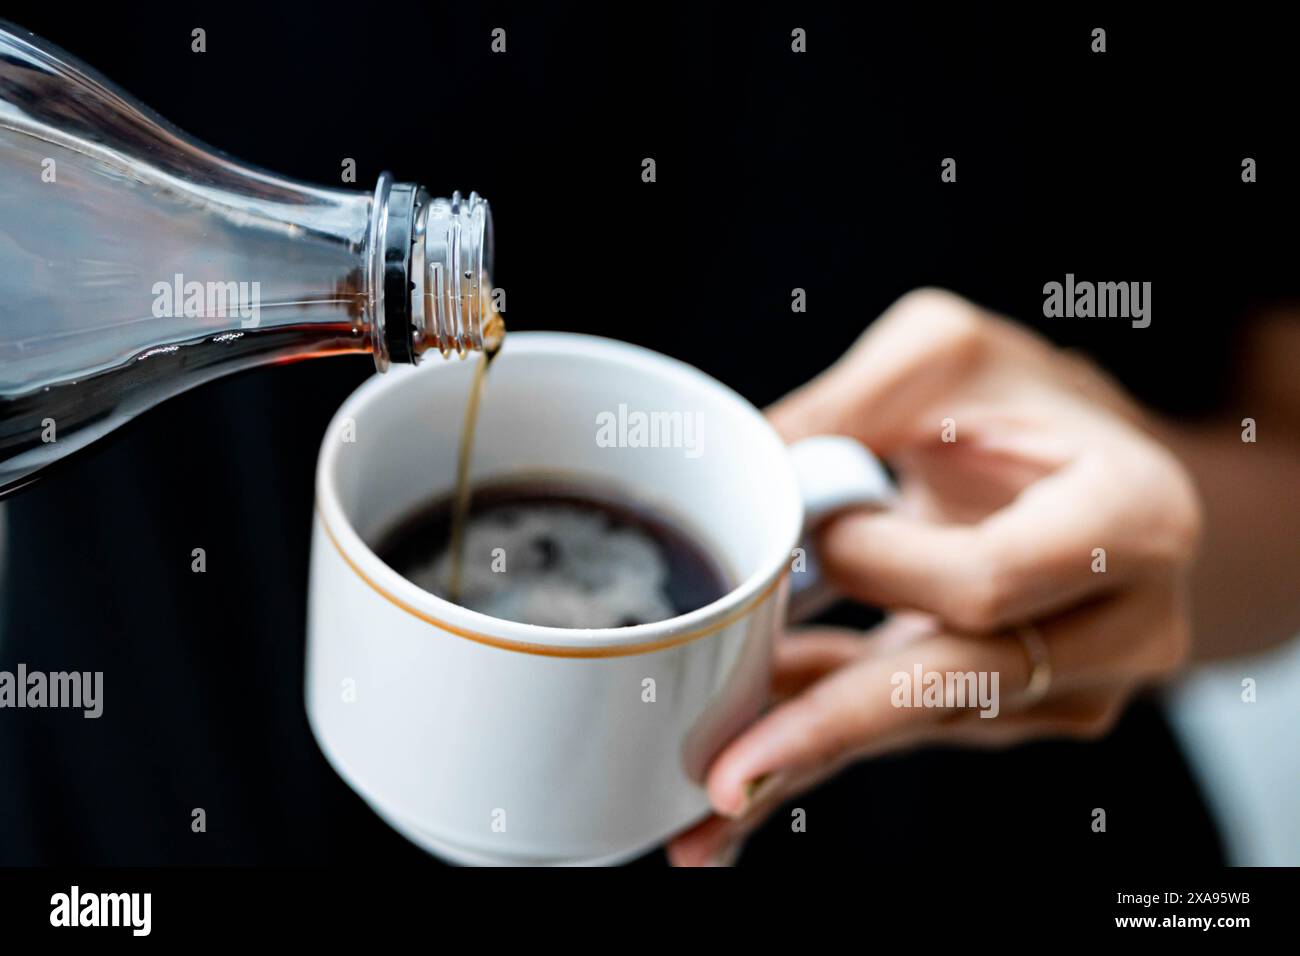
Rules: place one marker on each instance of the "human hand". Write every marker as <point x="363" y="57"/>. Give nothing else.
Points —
<point x="1017" y="461"/>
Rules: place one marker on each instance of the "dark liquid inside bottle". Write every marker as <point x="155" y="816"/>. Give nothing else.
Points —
<point x="41" y="426"/>
<point x="137" y="263"/>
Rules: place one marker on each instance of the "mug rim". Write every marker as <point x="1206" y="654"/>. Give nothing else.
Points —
<point x="340" y="533"/>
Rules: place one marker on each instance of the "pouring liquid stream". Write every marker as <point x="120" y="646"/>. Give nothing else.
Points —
<point x="494" y="335"/>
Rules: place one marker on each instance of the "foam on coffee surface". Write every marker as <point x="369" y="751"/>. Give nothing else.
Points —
<point x="564" y="567"/>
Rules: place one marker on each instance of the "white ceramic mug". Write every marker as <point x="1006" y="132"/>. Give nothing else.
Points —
<point x="488" y="741"/>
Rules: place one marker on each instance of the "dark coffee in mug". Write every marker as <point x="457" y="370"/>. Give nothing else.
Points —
<point x="559" y="553"/>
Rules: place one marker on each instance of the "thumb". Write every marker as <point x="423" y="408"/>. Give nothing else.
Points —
<point x="907" y="358"/>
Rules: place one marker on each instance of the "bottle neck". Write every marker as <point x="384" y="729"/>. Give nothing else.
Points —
<point x="429" y="264"/>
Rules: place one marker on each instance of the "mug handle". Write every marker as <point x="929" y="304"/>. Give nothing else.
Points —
<point x="835" y="473"/>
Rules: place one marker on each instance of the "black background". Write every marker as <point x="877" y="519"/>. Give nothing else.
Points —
<point x="775" y="170"/>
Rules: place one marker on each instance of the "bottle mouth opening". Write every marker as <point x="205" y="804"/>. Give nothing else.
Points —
<point x="455" y="301"/>
<point x="430" y="272"/>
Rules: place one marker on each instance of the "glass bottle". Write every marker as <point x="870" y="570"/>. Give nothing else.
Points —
<point x="136" y="263"/>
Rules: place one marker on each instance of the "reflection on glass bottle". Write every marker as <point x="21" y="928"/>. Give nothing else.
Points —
<point x="136" y="263"/>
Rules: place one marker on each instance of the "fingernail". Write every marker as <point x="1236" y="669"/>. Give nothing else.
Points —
<point x="756" y="790"/>
<point x="725" y="855"/>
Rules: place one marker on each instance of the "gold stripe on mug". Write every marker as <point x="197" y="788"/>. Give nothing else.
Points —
<point x="548" y="650"/>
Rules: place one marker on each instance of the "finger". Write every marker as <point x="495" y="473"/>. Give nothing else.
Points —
<point x="1134" y="636"/>
<point x="1090" y="715"/>
<point x="1080" y="715"/>
<point x="1032" y="557"/>
<point x="908" y="355"/>
<point x="850" y="713"/>
<point x="805" y="656"/>
<point x="875" y="703"/>
<point x="717" y="840"/>
<point x="709" y="843"/>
